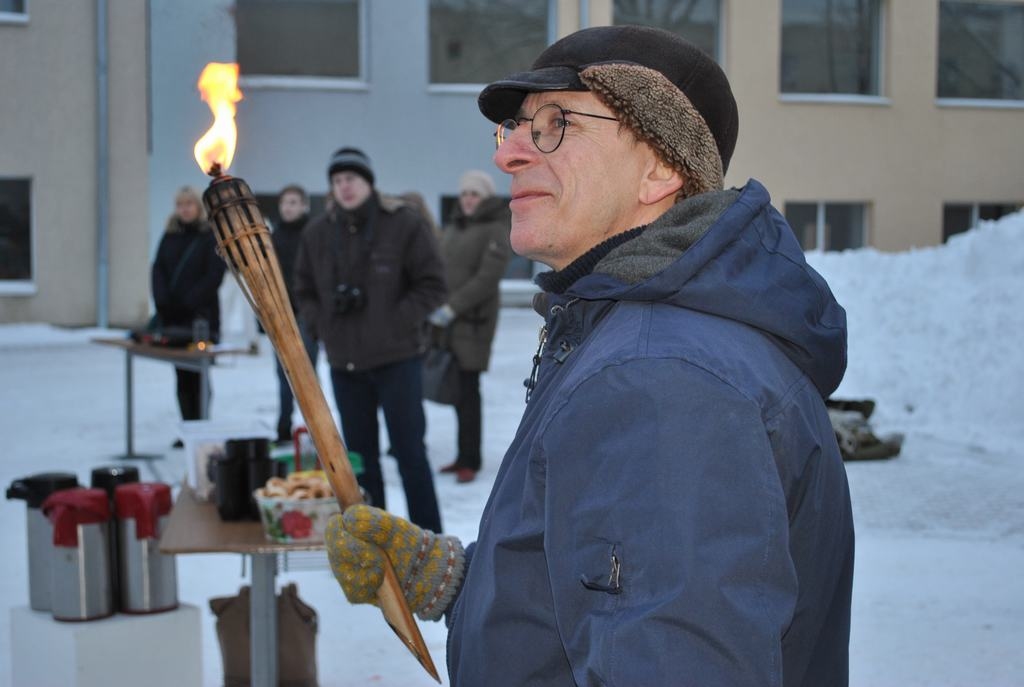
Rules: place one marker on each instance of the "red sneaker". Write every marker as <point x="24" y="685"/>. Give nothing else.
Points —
<point x="464" y="475"/>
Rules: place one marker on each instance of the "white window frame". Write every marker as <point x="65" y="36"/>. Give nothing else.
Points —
<point x="18" y="288"/>
<point x="25" y="287"/>
<point x="321" y="83"/>
<point x="845" y="98"/>
<point x="836" y="99"/>
<point x="981" y="103"/>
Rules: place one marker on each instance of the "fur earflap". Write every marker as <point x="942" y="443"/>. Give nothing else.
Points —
<point x="661" y="115"/>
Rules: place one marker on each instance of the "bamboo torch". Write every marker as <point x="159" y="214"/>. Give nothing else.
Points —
<point x="243" y="240"/>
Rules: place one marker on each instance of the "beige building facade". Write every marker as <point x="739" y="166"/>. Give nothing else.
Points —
<point x="49" y="152"/>
<point x="898" y="159"/>
<point x="904" y="155"/>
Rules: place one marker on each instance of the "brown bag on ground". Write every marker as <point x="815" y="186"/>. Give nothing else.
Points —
<point x="296" y="638"/>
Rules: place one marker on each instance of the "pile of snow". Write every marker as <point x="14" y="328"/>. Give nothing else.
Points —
<point x="935" y="334"/>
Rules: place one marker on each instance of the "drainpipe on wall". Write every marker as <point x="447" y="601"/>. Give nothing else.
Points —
<point x="102" y="171"/>
<point x="584" y="13"/>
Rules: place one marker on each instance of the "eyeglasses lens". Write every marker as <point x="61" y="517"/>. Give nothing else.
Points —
<point x="546" y="128"/>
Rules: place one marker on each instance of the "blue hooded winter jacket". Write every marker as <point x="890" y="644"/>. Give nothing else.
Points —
<point x="673" y="509"/>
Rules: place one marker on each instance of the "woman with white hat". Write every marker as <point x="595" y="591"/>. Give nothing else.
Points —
<point x="475" y="249"/>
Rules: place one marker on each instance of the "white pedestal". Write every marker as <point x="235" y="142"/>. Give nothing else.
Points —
<point x="156" y="650"/>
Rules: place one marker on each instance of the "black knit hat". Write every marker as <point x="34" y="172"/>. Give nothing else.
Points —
<point x="350" y="160"/>
<point x="665" y="89"/>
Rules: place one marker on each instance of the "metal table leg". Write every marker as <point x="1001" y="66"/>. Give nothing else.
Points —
<point x="204" y="389"/>
<point x="263" y="621"/>
<point x="129" y="410"/>
<point x="128" y="403"/>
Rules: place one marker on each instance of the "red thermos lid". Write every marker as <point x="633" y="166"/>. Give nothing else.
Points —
<point x="69" y="508"/>
<point x="145" y="503"/>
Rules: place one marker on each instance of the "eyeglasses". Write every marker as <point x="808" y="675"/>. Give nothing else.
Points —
<point x="547" y="126"/>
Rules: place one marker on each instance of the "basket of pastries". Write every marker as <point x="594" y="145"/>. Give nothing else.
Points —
<point x="296" y="508"/>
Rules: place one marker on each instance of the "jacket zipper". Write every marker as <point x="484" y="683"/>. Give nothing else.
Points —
<point x="564" y="349"/>
<point x="531" y="382"/>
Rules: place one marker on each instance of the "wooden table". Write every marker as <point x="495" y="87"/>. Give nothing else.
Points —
<point x="187" y="359"/>
<point x="195" y="527"/>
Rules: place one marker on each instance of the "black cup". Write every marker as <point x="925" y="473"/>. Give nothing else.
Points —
<point x="248" y="449"/>
<point x="258" y="472"/>
<point x="254" y="454"/>
<point x="229" y="487"/>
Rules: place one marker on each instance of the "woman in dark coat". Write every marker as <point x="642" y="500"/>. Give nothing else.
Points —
<point x="185" y="277"/>
<point x="475" y="249"/>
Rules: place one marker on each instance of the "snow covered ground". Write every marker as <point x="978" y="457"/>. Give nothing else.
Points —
<point x="935" y="338"/>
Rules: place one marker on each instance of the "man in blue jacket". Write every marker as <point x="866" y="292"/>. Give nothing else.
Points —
<point x="673" y="509"/>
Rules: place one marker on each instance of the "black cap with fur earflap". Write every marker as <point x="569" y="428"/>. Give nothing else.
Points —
<point x="350" y="160"/>
<point x="668" y="92"/>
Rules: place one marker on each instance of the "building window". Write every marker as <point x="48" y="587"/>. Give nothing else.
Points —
<point x="828" y="226"/>
<point x="479" y="41"/>
<point x="15" y="230"/>
<point x="318" y="38"/>
<point x="959" y="217"/>
<point x="831" y="46"/>
<point x="697" y="20"/>
<point x="981" y="50"/>
<point x="12" y="6"/>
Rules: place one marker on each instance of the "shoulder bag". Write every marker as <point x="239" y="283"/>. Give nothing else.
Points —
<point x="441" y="371"/>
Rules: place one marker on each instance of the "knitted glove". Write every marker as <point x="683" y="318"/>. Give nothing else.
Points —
<point x="429" y="566"/>
<point x="442" y="317"/>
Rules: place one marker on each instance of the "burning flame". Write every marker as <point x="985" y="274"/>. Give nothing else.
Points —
<point x="218" y="85"/>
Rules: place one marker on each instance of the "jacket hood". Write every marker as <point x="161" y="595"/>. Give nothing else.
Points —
<point x="731" y="254"/>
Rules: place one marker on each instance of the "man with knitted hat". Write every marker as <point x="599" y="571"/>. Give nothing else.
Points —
<point x="673" y="509"/>
<point x="367" y="275"/>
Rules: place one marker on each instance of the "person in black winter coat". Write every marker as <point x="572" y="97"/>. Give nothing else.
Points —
<point x="367" y="276"/>
<point x="185" y="277"/>
<point x="293" y="213"/>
